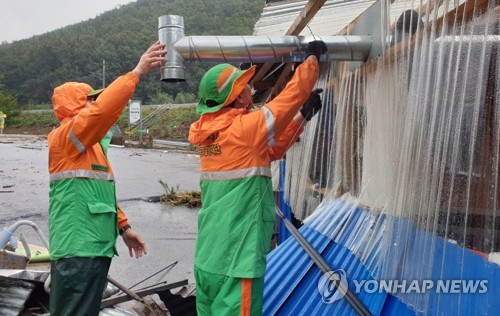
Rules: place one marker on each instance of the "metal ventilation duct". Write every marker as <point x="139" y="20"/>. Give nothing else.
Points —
<point x="171" y="29"/>
<point x="261" y="49"/>
<point x="252" y="49"/>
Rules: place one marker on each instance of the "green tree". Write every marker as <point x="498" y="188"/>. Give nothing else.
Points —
<point x="33" y="67"/>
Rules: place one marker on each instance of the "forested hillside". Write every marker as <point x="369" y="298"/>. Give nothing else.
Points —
<point x="31" y="68"/>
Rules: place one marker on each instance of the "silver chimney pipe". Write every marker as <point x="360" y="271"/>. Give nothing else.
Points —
<point x="253" y="49"/>
<point x="277" y="49"/>
<point x="171" y="29"/>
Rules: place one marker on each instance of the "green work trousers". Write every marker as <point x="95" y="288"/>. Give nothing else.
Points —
<point x="221" y="295"/>
<point x="77" y="284"/>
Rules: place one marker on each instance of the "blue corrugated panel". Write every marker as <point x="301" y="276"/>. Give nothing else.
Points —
<point x="289" y="263"/>
<point x="306" y="299"/>
<point x="354" y="240"/>
<point x="393" y="306"/>
<point x="291" y="283"/>
<point x="448" y="261"/>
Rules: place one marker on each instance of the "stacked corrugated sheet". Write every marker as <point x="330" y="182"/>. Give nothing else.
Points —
<point x="351" y="240"/>
<point x="13" y="295"/>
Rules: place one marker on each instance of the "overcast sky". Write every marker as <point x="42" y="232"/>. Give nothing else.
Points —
<point x="20" y="19"/>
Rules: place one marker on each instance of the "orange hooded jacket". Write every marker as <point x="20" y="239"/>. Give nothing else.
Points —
<point x="236" y="220"/>
<point x="83" y="213"/>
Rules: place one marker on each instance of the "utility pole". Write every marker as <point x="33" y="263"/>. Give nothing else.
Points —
<point x="103" y="73"/>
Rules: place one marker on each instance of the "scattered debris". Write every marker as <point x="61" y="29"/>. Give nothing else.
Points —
<point x="136" y="153"/>
<point x="150" y="199"/>
<point x="180" y="303"/>
<point x="173" y="197"/>
<point x="14" y="295"/>
<point x="30" y="147"/>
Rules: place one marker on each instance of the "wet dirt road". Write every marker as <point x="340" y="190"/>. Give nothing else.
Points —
<point x="169" y="232"/>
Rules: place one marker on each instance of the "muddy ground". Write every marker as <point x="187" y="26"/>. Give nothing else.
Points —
<point x="170" y="232"/>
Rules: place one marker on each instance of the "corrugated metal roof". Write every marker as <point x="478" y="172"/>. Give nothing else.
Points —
<point x="277" y="18"/>
<point x="334" y="15"/>
<point x="13" y="294"/>
<point x="292" y="279"/>
<point x="354" y="239"/>
<point x="448" y="261"/>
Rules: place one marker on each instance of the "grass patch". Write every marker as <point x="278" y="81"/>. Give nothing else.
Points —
<point x="33" y="123"/>
<point x="174" y="123"/>
<point x="41" y="119"/>
<point x="173" y="197"/>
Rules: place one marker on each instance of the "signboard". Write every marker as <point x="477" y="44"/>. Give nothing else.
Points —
<point x="134" y="111"/>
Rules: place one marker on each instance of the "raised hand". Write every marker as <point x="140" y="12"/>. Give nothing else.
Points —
<point x="316" y="48"/>
<point x="151" y="59"/>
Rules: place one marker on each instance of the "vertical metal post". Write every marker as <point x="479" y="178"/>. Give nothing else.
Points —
<point x="135" y="114"/>
<point x="140" y="130"/>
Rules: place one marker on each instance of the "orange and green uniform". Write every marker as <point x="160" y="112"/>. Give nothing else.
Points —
<point x="236" y="221"/>
<point x="84" y="216"/>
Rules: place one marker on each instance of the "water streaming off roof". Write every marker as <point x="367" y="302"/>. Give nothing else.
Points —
<point x="413" y="136"/>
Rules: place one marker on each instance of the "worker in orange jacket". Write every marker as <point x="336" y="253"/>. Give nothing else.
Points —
<point x="236" y="146"/>
<point x="84" y="217"/>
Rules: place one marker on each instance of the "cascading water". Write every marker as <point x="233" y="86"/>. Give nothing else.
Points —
<point x="397" y="177"/>
<point x="413" y="139"/>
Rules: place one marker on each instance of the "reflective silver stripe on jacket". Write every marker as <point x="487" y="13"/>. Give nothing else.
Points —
<point x="235" y="174"/>
<point x="82" y="174"/>
<point x="76" y="142"/>
<point x="269" y="116"/>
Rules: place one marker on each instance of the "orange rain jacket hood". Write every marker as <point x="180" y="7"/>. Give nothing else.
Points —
<point x="84" y="216"/>
<point x="69" y="99"/>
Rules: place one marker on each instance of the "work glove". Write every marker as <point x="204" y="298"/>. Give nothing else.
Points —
<point x="316" y="48"/>
<point x="312" y="105"/>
